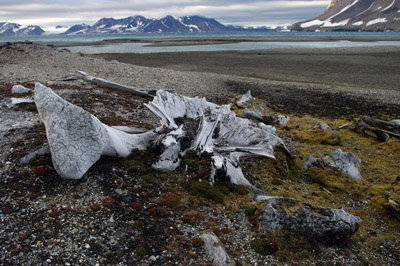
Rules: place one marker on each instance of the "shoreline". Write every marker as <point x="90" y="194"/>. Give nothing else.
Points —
<point x="189" y="41"/>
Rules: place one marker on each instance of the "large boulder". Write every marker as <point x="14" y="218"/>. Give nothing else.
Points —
<point x="215" y="250"/>
<point x="326" y="225"/>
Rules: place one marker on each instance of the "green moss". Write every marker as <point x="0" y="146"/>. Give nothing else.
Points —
<point x="141" y="251"/>
<point x="241" y="190"/>
<point x="276" y="182"/>
<point x="264" y="247"/>
<point x="187" y="162"/>
<point x="224" y="190"/>
<point x="204" y="189"/>
<point x="147" y="178"/>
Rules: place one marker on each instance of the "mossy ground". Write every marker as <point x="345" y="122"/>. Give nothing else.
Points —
<point x="330" y="188"/>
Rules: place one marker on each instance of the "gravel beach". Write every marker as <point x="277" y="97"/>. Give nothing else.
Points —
<point x="124" y="213"/>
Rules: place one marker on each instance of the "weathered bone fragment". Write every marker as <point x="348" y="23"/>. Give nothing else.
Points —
<point x="379" y="129"/>
<point x="244" y="99"/>
<point x="171" y="147"/>
<point x="215" y="251"/>
<point x="346" y="162"/>
<point x="266" y="119"/>
<point x="18" y="102"/>
<point x="257" y="116"/>
<point x="113" y="85"/>
<point x="129" y="130"/>
<point x="77" y="139"/>
<point x="326" y="225"/>
<point x="43" y="151"/>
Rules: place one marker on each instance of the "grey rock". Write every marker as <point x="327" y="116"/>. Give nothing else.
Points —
<point x="215" y="251"/>
<point x="321" y="125"/>
<point x="346" y="162"/>
<point x="324" y="126"/>
<point x="283" y="119"/>
<point x="19" y="89"/>
<point x="326" y="225"/>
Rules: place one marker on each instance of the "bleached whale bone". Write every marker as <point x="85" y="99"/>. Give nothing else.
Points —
<point x="218" y="132"/>
<point x="77" y="139"/>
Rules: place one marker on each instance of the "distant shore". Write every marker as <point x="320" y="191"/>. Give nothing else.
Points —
<point x="184" y="41"/>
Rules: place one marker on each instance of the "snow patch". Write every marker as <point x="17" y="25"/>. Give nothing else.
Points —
<point x="316" y="22"/>
<point x="358" y="23"/>
<point x="335" y="24"/>
<point x="375" y="21"/>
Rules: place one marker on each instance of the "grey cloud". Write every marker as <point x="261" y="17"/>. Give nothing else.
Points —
<point x="242" y="12"/>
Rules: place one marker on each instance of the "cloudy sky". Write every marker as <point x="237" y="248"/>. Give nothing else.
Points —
<point x="238" y="12"/>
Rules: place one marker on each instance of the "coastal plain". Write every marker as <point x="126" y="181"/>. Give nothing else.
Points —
<point x="123" y="212"/>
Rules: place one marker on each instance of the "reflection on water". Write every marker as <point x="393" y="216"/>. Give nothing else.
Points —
<point x="143" y="48"/>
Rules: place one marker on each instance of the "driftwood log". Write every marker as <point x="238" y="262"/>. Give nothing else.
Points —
<point x="113" y="85"/>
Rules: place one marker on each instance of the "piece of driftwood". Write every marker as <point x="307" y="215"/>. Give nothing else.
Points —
<point x="113" y="85"/>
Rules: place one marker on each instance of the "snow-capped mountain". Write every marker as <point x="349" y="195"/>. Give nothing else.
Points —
<point x="14" y="29"/>
<point x="142" y="24"/>
<point x="364" y="15"/>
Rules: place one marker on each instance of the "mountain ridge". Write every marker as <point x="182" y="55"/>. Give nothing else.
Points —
<point x="15" y="29"/>
<point x="355" y="15"/>
<point x="151" y="25"/>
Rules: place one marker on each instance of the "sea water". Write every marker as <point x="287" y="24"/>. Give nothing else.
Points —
<point x="147" y="48"/>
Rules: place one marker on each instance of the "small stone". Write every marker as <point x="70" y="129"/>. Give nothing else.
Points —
<point x="19" y="89"/>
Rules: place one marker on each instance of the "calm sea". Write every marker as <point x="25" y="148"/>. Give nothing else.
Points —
<point x="145" y="48"/>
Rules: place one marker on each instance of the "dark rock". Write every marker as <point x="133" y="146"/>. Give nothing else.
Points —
<point x="331" y="226"/>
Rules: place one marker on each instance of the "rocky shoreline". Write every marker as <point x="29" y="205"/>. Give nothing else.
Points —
<point x="123" y="212"/>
